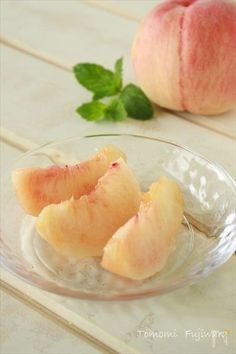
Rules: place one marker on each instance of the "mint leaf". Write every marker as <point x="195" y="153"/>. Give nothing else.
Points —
<point x="136" y="103"/>
<point x="95" y="110"/>
<point x="97" y="79"/>
<point x="118" y="73"/>
<point x="92" y="111"/>
<point x="115" y="110"/>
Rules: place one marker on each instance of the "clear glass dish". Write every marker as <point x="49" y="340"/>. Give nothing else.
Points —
<point x="206" y="240"/>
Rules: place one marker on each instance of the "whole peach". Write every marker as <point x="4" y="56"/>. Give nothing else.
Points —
<point x="184" y="55"/>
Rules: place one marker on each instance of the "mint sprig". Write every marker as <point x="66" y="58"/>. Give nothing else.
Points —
<point x="129" y="101"/>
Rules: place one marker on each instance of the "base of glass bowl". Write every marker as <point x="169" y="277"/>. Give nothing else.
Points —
<point x="87" y="274"/>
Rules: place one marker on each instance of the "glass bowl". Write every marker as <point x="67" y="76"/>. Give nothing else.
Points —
<point x="206" y="240"/>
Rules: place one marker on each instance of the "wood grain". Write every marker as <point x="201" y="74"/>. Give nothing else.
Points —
<point x="132" y="9"/>
<point x="25" y="327"/>
<point x="78" y="32"/>
<point x="119" y="322"/>
<point x="54" y="307"/>
<point x="41" y="108"/>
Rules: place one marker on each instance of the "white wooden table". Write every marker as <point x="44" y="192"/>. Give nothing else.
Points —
<point x="40" y="42"/>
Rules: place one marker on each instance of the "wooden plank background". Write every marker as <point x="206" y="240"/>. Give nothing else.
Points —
<point x="40" y="42"/>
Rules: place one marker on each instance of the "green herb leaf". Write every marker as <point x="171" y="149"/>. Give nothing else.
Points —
<point x="92" y="111"/>
<point x="97" y="79"/>
<point x="118" y="73"/>
<point x="115" y="110"/>
<point x="136" y="103"/>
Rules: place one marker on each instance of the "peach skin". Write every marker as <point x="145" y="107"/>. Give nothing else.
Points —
<point x="37" y="187"/>
<point x="140" y="248"/>
<point x="184" y="55"/>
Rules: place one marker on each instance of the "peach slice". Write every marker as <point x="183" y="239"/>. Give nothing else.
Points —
<point x="141" y="247"/>
<point x="38" y="187"/>
<point x="81" y="228"/>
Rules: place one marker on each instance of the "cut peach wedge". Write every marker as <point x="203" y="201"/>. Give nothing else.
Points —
<point x="82" y="227"/>
<point x="140" y="248"/>
<point x="38" y="187"/>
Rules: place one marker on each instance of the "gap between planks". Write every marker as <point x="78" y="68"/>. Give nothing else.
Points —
<point x="23" y="48"/>
<point x="71" y="320"/>
<point x="108" y="7"/>
<point x="29" y="302"/>
<point x="18" y="142"/>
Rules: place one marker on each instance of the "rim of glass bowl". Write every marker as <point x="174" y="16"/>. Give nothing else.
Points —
<point x="32" y="278"/>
